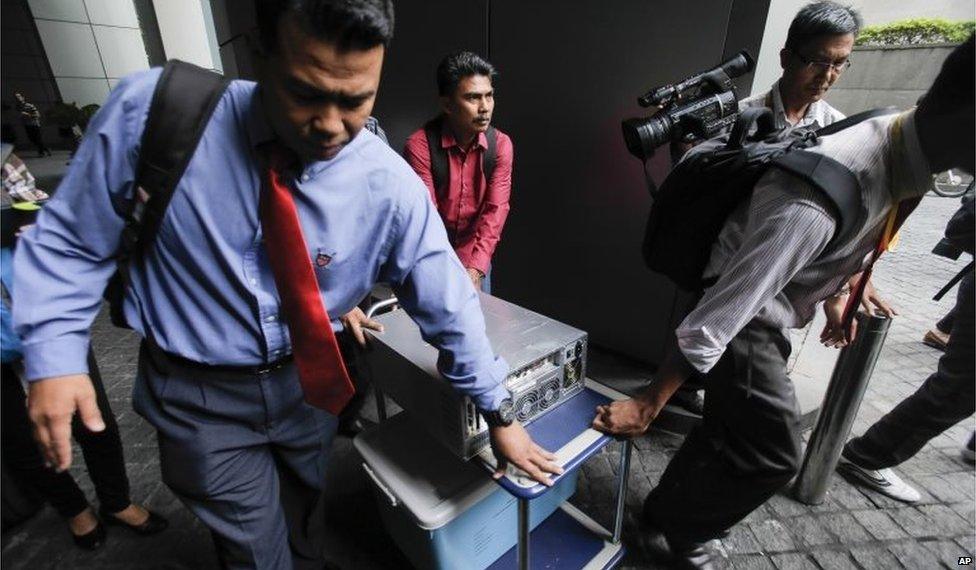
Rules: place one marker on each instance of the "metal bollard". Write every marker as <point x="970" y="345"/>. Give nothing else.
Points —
<point x="844" y="393"/>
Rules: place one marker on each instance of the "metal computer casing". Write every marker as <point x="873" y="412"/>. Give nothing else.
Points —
<point x="547" y="360"/>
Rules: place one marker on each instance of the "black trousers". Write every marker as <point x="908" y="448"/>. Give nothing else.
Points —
<point x="746" y="448"/>
<point x="34" y="134"/>
<point x="102" y="451"/>
<point x="945" y="398"/>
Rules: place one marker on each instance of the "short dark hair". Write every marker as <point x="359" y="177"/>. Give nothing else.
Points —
<point x="954" y="86"/>
<point x="351" y="24"/>
<point x="819" y="19"/>
<point x="459" y="65"/>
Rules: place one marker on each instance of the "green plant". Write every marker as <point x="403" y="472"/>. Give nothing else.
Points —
<point x="67" y="115"/>
<point x="917" y="31"/>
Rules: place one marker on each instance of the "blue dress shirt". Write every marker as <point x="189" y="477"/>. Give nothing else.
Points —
<point x="204" y="287"/>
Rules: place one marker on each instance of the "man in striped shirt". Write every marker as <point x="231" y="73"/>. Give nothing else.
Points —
<point x="774" y="266"/>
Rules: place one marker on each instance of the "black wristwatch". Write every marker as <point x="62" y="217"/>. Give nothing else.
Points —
<point x="502" y="417"/>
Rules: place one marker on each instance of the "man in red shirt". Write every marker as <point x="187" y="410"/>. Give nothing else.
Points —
<point x="465" y="163"/>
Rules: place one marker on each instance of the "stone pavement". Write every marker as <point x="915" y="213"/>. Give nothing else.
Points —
<point x="852" y="529"/>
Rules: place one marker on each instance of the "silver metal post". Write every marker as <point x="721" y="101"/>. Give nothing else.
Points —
<point x="844" y="393"/>
<point x="622" y="475"/>
<point x="523" y="534"/>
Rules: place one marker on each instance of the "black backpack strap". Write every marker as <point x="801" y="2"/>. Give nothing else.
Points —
<point x="832" y="178"/>
<point x="952" y="282"/>
<point x="183" y="101"/>
<point x="760" y="117"/>
<point x="490" y="158"/>
<point x="855" y="119"/>
<point x="438" y="157"/>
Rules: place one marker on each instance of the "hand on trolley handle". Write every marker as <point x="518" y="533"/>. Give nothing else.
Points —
<point x="512" y="444"/>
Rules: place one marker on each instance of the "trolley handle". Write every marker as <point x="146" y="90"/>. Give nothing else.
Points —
<point x="381" y="486"/>
<point x="379" y="305"/>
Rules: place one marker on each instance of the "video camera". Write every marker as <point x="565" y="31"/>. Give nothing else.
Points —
<point x="700" y="107"/>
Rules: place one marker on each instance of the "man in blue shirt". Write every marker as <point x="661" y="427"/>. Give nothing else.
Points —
<point x="237" y="442"/>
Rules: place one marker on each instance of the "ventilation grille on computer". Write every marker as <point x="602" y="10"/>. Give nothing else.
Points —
<point x="550" y="393"/>
<point x="526" y="405"/>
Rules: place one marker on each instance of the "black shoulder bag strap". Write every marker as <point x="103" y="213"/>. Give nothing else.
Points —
<point x="182" y="103"/>
<point x="855" y="119"/>
<point x="438" y="156"/>
<point x="833" y="179"/>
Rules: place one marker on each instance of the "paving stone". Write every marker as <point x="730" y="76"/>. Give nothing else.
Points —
<point x="875" y="558"/>
<point x="848" y="496"/>
<point x="946" y="519"/>
<point x="966" y="510"/>
<point x="598" y="467"/>
<point x="879" y="524"/>
<point x="968" y="543"/>
<point x="845" y="527"/>
<point x="913" y="555"/>
<point x="914" y="522"/>
<point x="807" y="532"/>
<point x="772" y="536"/>
<point x="752" y="562"/>
<point x="964" y="482"/>
<point x="760" y="514"/>
<point x="785" y="506"/>
<point x="741" y="540"/>
<point x="793" y="561"/>
<point x="942" y="490"/>
<point x="946" y="551"/>
<point x="834" y="559"/>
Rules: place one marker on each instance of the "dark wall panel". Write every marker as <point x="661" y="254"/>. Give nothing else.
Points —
<point x="570" y="72"/>
<point x="425" y="32"/>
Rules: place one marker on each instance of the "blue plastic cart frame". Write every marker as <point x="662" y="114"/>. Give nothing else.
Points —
<point x="567" y="429"/>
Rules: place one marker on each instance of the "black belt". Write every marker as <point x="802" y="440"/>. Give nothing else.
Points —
<point x="162" y="357"/>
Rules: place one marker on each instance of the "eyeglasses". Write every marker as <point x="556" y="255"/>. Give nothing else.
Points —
<point x="837" y="67"/>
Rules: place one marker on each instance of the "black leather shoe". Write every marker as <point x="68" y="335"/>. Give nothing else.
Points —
<point x="152" y="525"/>
<point x="708" y="555"/>
<point x="92" y="540"/>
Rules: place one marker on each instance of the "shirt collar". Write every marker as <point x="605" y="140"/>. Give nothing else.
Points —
<point x="911" y="176"/>
<point x="448" y="140"/>
<point x="812" y="116"/>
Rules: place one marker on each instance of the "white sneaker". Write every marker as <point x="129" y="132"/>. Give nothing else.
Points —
<point x="884" y="481"/>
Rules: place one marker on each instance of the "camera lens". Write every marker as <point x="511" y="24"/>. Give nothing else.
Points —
<point x="643" y="134"/>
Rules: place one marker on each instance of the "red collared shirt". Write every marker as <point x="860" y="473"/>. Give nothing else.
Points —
<point x="473" y="209"/>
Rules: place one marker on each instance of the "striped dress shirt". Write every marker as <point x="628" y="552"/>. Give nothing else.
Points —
<point x="772" y="257"/>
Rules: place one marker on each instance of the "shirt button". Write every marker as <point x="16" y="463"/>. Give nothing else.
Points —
<point x="270" y="318"/>
<point x="254" y="281"/>
<point x="304" y="178"/>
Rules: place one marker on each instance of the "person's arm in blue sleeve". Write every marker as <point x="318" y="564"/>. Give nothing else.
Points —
<point x="433" y="287"/>
<point x="63" y="263"/>
<point x="435" y="290"/>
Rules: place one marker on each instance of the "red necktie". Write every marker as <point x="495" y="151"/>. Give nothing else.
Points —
<point x="321" y="370"/>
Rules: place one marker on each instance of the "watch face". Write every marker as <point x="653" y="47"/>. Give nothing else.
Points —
<point x="506" y="411"/>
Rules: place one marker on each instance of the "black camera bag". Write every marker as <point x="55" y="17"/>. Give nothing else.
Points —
<point x="183" y="101"/>
<point x="703" y="189"/>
